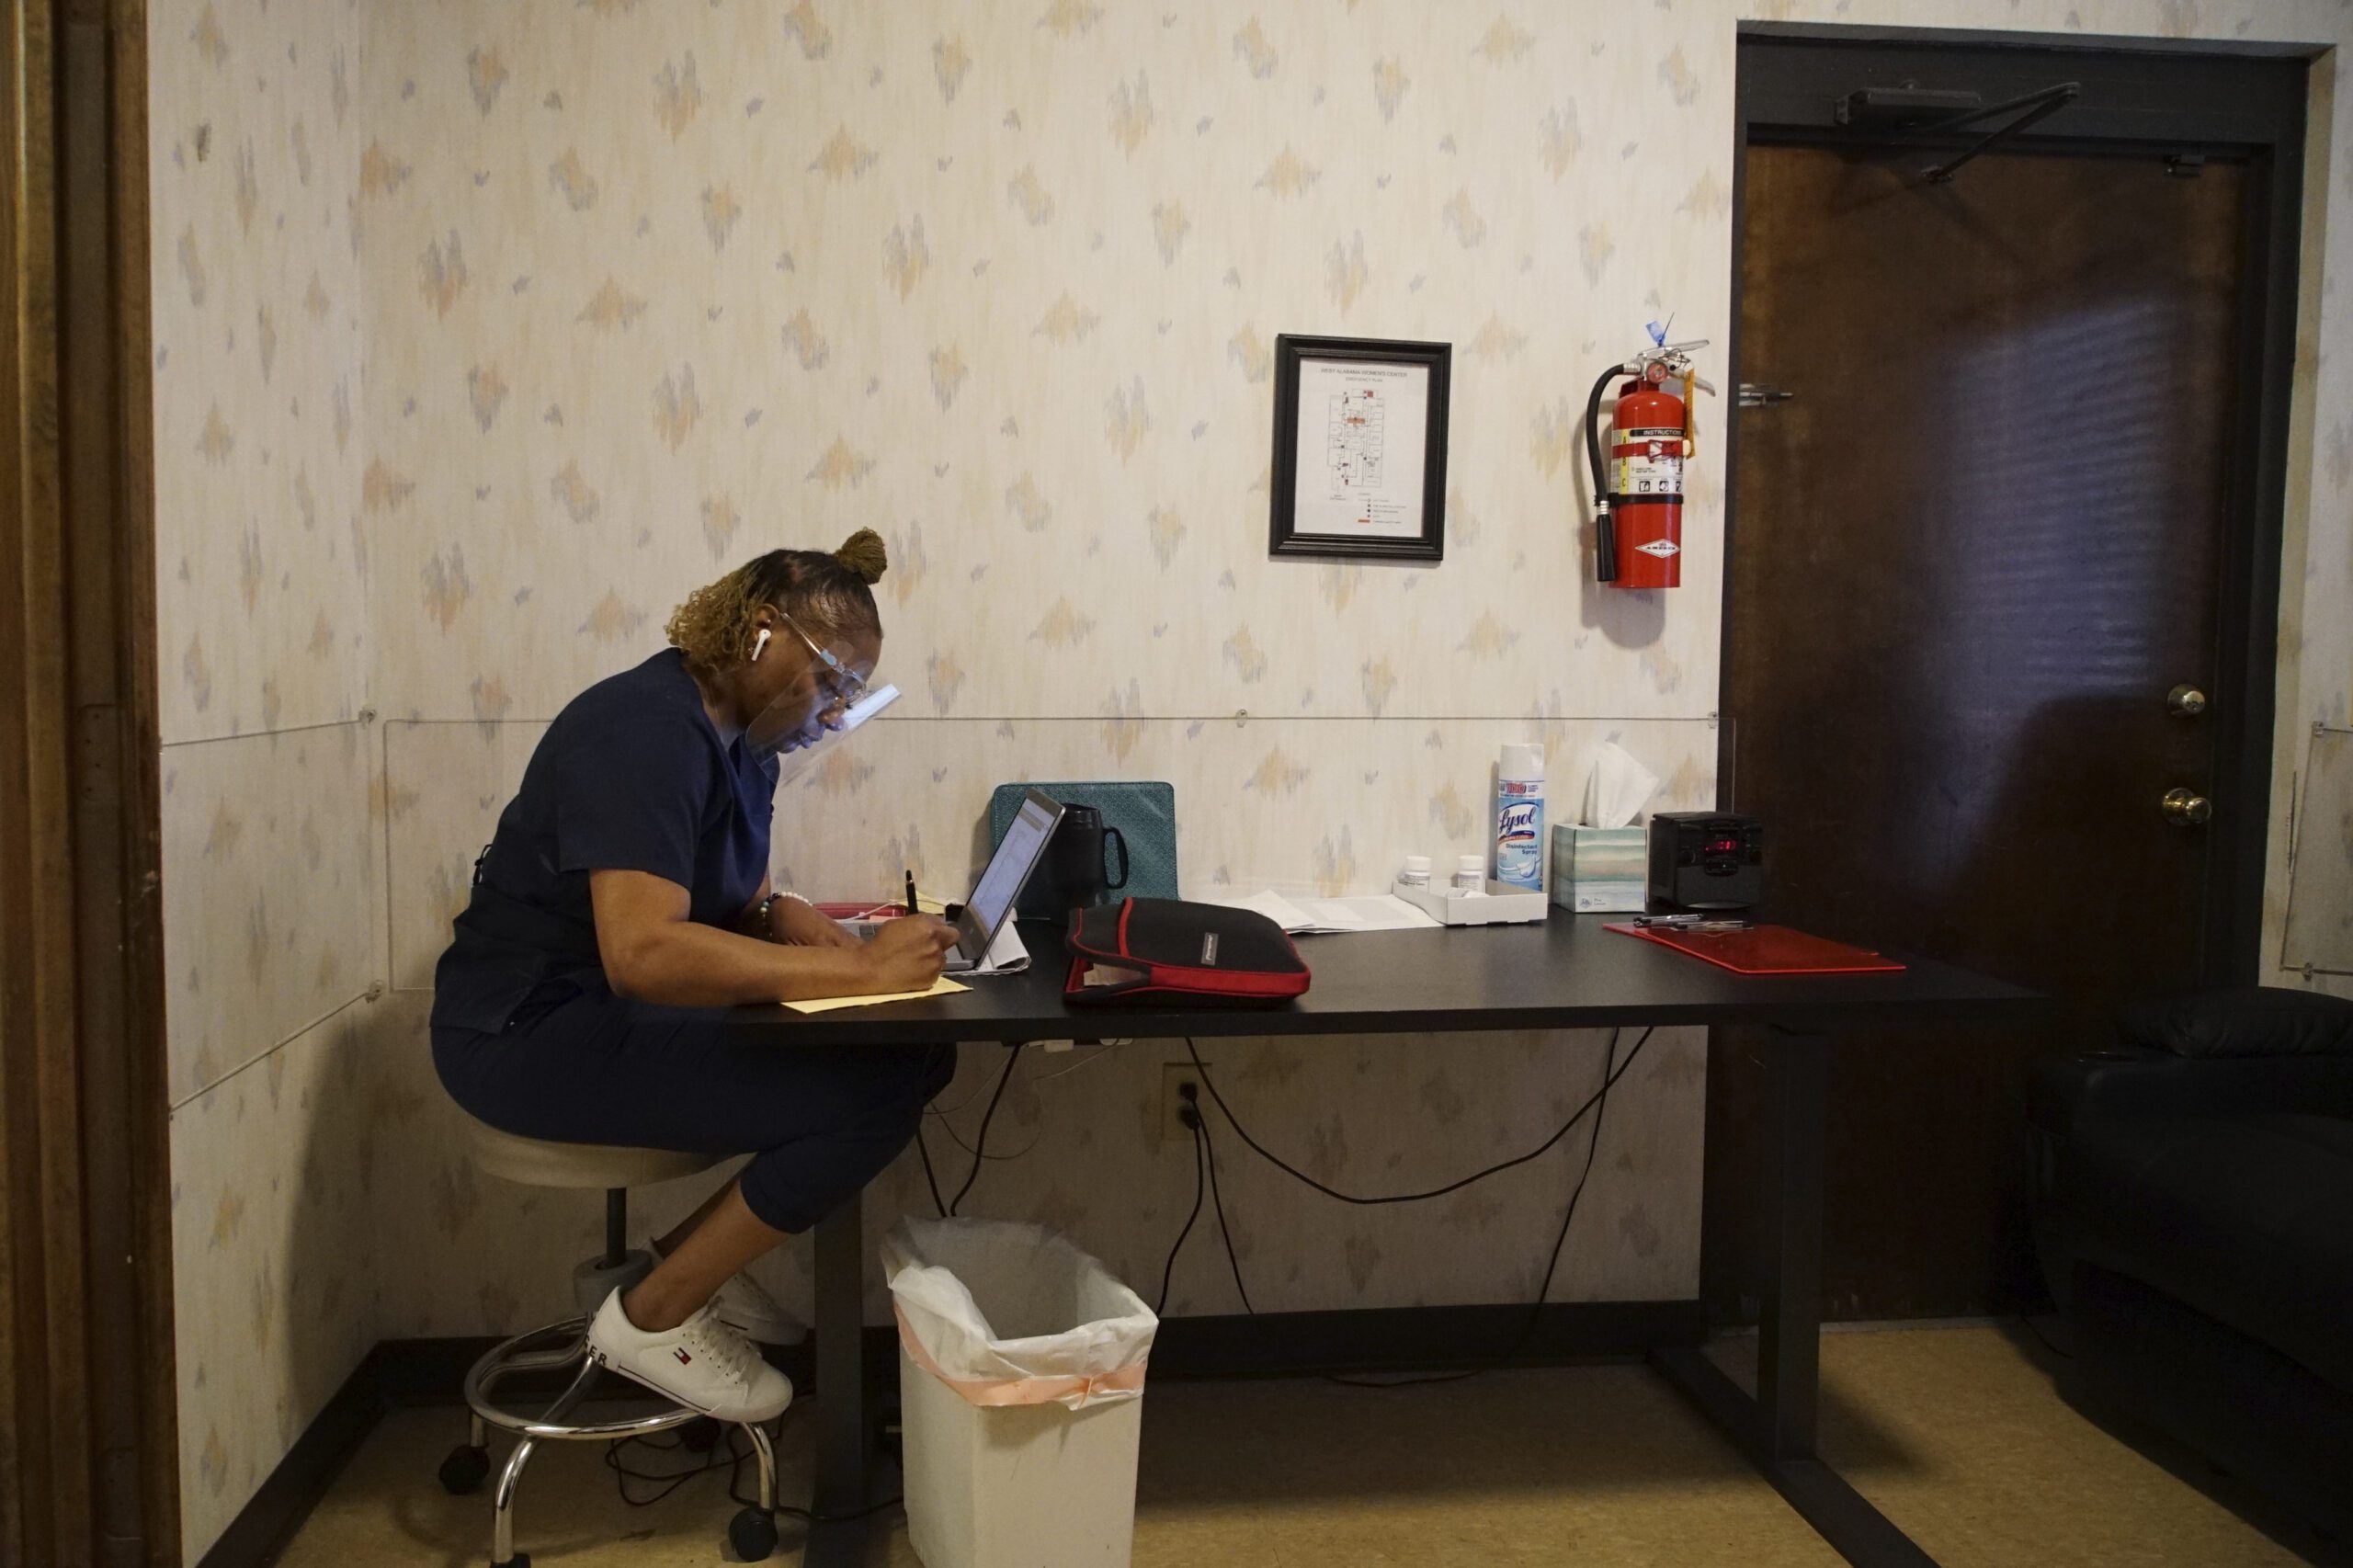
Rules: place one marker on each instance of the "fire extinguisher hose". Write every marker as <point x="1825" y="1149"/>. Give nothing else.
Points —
<point x="1605" y="535"/>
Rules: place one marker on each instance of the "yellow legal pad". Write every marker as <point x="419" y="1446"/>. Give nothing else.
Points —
<point x="943" y="986"/>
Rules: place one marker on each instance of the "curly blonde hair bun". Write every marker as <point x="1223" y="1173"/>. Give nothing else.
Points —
<point x="716" y="627"/>
<point x="864" y="554"/>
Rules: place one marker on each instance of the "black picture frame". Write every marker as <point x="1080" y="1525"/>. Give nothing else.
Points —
<point x="1283" y="538"/>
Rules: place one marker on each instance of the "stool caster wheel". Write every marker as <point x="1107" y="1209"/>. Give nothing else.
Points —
<point x="752" y="1535"/>
<point x="464" y="1469"/>
<point x="700" y="1435"/>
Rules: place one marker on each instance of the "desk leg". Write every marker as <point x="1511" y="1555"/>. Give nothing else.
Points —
<point x="1788" y="1340"/>
<point x="1776" y="1428"/>
<point x="844" y="1441"/>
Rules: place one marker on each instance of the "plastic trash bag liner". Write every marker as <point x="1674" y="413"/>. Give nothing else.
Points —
<point x="1010" y="1313"/>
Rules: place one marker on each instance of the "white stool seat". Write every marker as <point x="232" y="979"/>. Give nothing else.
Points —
<point x="539" y="1161"/>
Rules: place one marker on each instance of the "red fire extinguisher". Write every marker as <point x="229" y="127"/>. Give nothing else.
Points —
<point x="1638" y="496"/>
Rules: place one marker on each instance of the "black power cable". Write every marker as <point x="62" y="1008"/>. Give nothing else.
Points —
<point x="957" y="1138"/>
<point x="1610" y="1073"/>
<point x="1296" y="1174"/>
<point x="1217" y="1199"/>
<point x="735" y="1454"/>
<point x="1612" y="1070"/>
<point x="1190" y="1115"/>
<point x="669" y="1481"/>
<point x="981" y="1143"/>
<point x="930" y="1178"/>
<point x="2047" y="1344"/>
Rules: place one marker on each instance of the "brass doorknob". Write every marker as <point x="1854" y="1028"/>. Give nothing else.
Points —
<point x="2186" y="808"/>
<point x="2185" y="702"/>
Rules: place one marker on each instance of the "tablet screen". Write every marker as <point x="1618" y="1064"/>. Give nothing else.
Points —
<point x="1010" y="866"/>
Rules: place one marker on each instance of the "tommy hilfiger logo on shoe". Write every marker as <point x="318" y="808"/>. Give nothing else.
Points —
<point x="684" y="1359"/>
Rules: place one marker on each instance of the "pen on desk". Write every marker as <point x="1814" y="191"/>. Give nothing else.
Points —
<point x="911" y="893"/>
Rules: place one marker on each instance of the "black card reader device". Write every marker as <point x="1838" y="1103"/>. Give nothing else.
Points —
<point x="1706" y="860"/>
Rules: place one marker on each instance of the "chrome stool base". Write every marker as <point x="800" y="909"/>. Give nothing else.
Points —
<point x="555" y="1346"/>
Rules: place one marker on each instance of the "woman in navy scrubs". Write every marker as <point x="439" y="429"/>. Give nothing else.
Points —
<point x="624" y="903"/>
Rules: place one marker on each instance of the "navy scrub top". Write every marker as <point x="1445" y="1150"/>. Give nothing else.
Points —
<point x="631" y="777"/>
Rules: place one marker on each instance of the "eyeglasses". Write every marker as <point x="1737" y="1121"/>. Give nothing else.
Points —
<point x="847" y="685"/>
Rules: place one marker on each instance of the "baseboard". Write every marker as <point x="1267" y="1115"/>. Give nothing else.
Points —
<point x="433" y="1372"/>
<point x="1375" y="1340"/>
<point x="1413" y="1339"/>
<point x="289" y="1492"/>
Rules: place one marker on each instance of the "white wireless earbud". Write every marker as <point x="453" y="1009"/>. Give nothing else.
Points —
<point x="760" y="645"/>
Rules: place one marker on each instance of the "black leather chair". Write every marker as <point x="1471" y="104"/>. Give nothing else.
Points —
<point x="2194" y="1212"/>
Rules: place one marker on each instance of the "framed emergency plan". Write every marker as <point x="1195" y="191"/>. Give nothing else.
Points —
<point x="1359" y="461"/>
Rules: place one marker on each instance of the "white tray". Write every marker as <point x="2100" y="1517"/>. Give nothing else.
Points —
<point x="1501" y="905"/>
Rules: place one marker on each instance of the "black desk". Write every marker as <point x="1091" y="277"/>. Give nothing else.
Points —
<point x="1566" y="974"/>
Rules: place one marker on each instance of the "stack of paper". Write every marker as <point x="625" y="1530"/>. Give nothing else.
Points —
<point x="1007" y="954"/>
<point x="1319" y="916"/>
<point x="943" y="986"/>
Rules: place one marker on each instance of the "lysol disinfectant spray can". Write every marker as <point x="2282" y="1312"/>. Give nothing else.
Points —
<point x="1519" y="817"/>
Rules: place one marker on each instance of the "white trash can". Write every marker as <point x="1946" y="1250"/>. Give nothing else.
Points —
<point x="1022" y="1364"/>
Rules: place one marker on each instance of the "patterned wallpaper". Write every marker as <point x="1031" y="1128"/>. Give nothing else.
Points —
<point x="273" y="853"/>
<point x="274" y="900"/>
<point x="1004" y="283"/>
<point x="274" y="1198"/>
<point x="485" y="331"/>
<point x="649" y="292"/>
<point x="261" y="567"/>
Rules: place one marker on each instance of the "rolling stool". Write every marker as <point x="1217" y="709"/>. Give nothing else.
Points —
<point x="535" y="1162"/>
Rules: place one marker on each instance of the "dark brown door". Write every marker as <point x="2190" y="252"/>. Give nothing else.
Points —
<point x="1971" y="558"/>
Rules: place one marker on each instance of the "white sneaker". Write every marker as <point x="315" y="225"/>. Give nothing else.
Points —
<point x="702" y="1364"/>
<point x="744" y="1305"/>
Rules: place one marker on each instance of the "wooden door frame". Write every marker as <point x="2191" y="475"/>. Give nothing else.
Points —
<point x="88" y="1448"/>
<point x="2147" y="98"/>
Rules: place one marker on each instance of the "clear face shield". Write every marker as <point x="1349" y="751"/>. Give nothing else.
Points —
<point x="812" y="704"/>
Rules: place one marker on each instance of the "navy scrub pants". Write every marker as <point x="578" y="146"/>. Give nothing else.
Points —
<point x="819" y="1121"/>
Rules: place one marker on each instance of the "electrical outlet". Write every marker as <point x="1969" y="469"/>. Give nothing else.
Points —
<point x="1175" y="1078"/>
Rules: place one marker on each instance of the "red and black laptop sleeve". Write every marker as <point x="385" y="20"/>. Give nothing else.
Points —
<point x="1150" y="950"/>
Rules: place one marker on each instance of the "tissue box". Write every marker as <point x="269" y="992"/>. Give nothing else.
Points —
<point x="1600" y="869"/>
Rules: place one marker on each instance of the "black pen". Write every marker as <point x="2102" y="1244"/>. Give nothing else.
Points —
<point x="911" y="893"/>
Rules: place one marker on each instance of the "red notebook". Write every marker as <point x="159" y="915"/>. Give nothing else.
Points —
<point x="1766" y="949"/>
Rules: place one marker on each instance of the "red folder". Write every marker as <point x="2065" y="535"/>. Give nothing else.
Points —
<point x="1765" y="949"/>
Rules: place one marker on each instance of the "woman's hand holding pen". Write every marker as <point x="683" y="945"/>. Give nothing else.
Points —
<point x="908" y="953"/>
